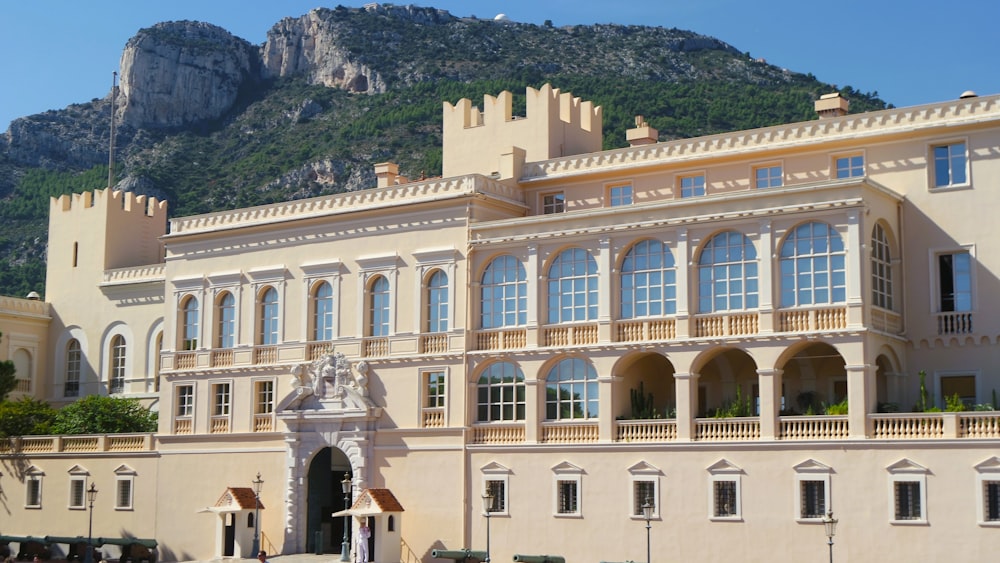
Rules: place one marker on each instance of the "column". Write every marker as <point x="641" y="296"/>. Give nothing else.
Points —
<point x="686" y="389"/>
<point x="765" y="289"/>
<point x="604" y="300"/>
<point x="684" y="265"/>
<point x="859" y="397"/>
<point x="857" y="263"/>
<point x="533" y="280"/>
<point x="769" y="381"/>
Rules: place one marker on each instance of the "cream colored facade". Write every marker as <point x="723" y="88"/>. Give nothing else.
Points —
<point x="487" y="330"/>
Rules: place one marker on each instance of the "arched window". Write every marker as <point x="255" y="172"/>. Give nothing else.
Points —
<point x="74" y="363"/>
<point x="322" y="308"/>
<point x="881" y="269"/>
<point x="648" y="281"/>
<point x="572" y="287"/>
<point x="378" y="307"/>
<point x="727" y="274"/>
<point x="269" y="317"/>
<point x="504" y="294"/>
<point x="189" y="323"/>
<point x="226" y="315"/>
<point x="437" y="302"/>
<point x="500" y="393"/>
<point x="812" y="266"/>
<point x="116" y="372"/>
<point x="571" y="390"/>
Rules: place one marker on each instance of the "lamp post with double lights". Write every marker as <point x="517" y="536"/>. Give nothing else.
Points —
<point x="257" y="484"/>
<point x="488" y="508"/>
<point x="345" y="546"/>
<point x="830" y="523"/>
<point x="647" y="513"/>
<point x="91" y="497"/>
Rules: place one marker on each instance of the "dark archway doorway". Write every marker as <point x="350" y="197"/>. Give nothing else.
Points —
<point x="326" y="471"/>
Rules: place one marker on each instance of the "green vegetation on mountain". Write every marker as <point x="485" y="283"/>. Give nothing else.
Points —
<point x="261" y="150"/>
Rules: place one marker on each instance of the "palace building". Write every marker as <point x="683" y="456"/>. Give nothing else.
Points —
<point x="742" y="332"/>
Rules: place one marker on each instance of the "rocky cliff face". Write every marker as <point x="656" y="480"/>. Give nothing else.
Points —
<point x="309" y="45"/>
<point x="178" y="73"/>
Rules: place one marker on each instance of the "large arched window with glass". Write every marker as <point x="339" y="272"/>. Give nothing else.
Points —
<point x="226" y="319"/>
<point x="648" y="281"/>
<point x="571" y="390"/>
<point x="504" y="294"/>
<point x="189" y="323"/>
<point x="437" y="302"/>
<point x="322" y="312"/>
<point x="500" y="393"/>
<point x="727" y="274"/>
<point x="268" y="314"/>
<point x="572" y="287"/>
<point x="881" y="268"/>
<point x="378" y="307"/>
<point x="74" y="364"/>
<point x="812" y="266"/>
<point x="116" y="367"/>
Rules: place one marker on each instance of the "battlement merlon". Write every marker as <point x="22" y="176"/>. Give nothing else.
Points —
<point x="555" y="124"/>
<point x="106" y="199"/>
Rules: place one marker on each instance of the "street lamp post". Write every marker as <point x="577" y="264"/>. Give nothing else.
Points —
<point x="91" y="497"/>
<point x="488" y="508"/>
<point x="345" y="546"/>
<point x="830" y="523"/>
<point x="647" y="513"/>
<point x="255" y="548"/>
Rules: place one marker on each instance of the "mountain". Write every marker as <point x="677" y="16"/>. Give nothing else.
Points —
<point x="208" y="121"/>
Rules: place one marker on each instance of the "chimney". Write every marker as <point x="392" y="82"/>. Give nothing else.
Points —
<point x="831" y="105"/>
<point x="643" y="134"/>
<point x="386" y="173"/>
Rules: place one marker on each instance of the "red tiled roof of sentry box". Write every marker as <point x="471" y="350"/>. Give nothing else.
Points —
<point x="241" y="497"/>
<point x="383" y="499"/>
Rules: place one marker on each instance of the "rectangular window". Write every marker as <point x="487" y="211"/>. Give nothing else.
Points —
<point x="435" y="389"/>
<point x="955" y="282"/>
<point x="991" y="501"/>
<point x="692" y="186"/>
<point x="907" y="505"/>
<point x="220" y="399"/>
<point x="185" y="400"/>
<point x="643" y="492"/>
<point x="264" y="403"/>
<point x="553" y="203"/>
<point x="123" y="494"/>
<point x="74" y="361"/>
<point x="724" y="499"/>
<point x="850" y="166"/>
<point x="620" y="195"/>
<point x="949" y="165"/>
<point x="567" y="497"/>
<point x="768" y="176"/>
<point x="962" y="385"/>
<point x="76" y="492"/>
<point x="498" y="488"/>
<point x="812" y="497"/>
<point x="33" y="498"/>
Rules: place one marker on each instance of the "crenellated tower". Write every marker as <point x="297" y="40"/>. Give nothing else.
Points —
<point x="101" y="230"/>
<point x="492" y="140"/>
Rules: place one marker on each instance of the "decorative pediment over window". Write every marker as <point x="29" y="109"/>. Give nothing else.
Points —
<point x="644" y="468"/>
<point x="906" y="466"/>
<point x="78" y="470"/>
<point x="567" y="468"/>
<point x="991" y="465"/>
<point x="125" y="470"/>
<point x="495" y="469"/>
<point x="34" y="470"/>
<point x="812" y="466"/>
<point x="724" y="466"/>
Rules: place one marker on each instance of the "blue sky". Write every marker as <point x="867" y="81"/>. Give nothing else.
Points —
<point x="58" y="52"/>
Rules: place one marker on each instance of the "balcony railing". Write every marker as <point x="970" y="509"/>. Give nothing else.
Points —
<point x="263" y="422"/>
<point x="78" y="444"/>
<point x="646" y="330"/>
<point x="901" y="426"/>
<point x="979" y="425"/>
<point x="569" y="432"/>
<point x="954" y="323"/>
<point x="376" y="347"/>
<point x="219" y="425"/>
<point x="22" y="386"/>
<point x="646" y="431"/>
<point x="265" y="355"/>
<point x="502" y="339"/>
<point x="497" y="433"/>
<point x="187" y="360"/>
<point x="433" y="343"/>
<point x="886" y="321"/>
<point x="316" y="350"/>
<point x="222" y="358"/>
<point x="569" y="335"/>
<point x="809" y="320"/>
<point x="433" y="417"/>
<point x="734" y="324"/>
<point x="813" y="427"/>
<point x="183" y="426"/>
<point x="726" y="429"/>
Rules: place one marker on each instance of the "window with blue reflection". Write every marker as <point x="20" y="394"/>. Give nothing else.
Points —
<point x="812" y="266"/>
<point x="572" y="287"/>
<point x="648" y="281"/>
